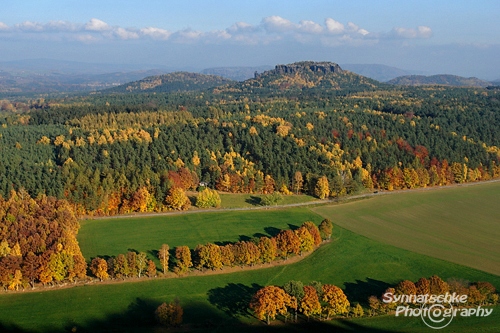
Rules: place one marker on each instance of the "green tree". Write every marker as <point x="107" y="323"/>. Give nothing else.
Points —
<point x="295" y="289"/>
<point x="326" y="228"/>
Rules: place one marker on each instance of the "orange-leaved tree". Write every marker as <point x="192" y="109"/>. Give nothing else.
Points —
<point x="271" y="301"/>
<point x="287" y="242"/>
<point x="309" y="305"/>
<point x="99" y="267"/>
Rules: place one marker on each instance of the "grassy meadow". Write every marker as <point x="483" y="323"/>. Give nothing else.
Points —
<point x="458" y="224"/>
<point x="362" y="266"/>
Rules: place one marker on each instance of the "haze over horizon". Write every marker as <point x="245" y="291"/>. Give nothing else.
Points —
<point x="452" y="37"/>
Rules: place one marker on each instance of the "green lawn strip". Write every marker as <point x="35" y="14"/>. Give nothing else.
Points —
<point x="459" y="224"/>
<point x="114" y="236"/>
<point x="357" y="264"/>
<point x="238" y="200"/>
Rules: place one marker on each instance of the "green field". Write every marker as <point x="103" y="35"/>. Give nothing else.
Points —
<point x="252" y="200"/>
<point x="115" y="236"/>
<point x="457" y="224"/>
<point x="360" y="265"/>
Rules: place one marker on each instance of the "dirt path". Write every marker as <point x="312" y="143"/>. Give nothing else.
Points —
<point x="300" y="204"/>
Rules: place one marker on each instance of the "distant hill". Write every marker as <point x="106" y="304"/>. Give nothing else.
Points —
<point x="301" y="78"/>
<point x="443" y="79"/>
<point x="172" y="82"/>
<point x="378" y="72"/>
<point x="53" y="82"/>
<point x="236" y="73"/>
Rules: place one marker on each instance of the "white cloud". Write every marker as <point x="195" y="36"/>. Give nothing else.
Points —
<point x="125" y="34"/>
<point x="410" y="33"/>
<point x="155" y="33"/>
<point x="242" y="27"/>
<point x="333" y="26"/>
<point x="97" y="25"/>
<point x="271" y="29"/>
<point x="61" y="26"/>
<point x="277" y="24"/>
<point x="29" y="26"/>
<point x="310" y="27"/>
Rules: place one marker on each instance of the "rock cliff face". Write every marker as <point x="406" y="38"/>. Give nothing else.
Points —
<point x="320" y="67"/>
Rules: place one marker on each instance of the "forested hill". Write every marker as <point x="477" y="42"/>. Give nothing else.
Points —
<point x="447" y="80"/>
<point x="305" y="127"/>
<point x="304" y="78"/>
<point x="172" y="82"/>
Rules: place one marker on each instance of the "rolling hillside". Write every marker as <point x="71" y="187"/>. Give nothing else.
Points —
<point x="442" y="79"/>
<point x="172" y="82"/>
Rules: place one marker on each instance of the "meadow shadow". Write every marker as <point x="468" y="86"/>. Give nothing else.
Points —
<point x="360" y="291"/>
<point x="254" y="201"/>
<point x="272" y="231"/>
<point x="233" y="299"/>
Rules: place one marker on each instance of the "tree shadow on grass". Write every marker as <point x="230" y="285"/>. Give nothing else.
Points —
<point x="272" y="231"/>
<point x="292" y="226"/>
<point x="139" y="315"/>
<point x="244" y="238"/>
<point x="233" y="299"/>
<point x="254" y="201"/>
<point x="360" y="291"/>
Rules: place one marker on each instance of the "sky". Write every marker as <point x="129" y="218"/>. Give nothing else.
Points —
<point x="440" y="36"/>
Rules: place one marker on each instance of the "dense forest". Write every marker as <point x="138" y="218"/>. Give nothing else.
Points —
<point x="300" y="128"/>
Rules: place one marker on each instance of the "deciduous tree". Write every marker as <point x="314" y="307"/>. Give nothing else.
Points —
<point x="268" y="249"/>
<point x="322" y="189"/>
<point x="314" y="231"/>
<point x="336" y="300"/>
<point x="306" y="240"/>
<point x="269" y="302"/>
<point x="310" y="305"/>
<point x="326" y="228"/>
<point x="208" y="198"/>
<point x="99" y="268"/>
<point x="177" y="199"/>
<point x="287" y="242"/>
<point x="163" y="255"/>
<point x="183" y="256"/>
<point x="170" y="314"/>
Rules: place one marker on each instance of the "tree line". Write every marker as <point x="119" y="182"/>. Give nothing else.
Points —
<point x="325" y="301"/>
<point x="212" y="256"/>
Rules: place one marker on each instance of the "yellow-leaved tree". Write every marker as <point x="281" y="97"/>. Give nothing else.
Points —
<point x="322" y="189"/>
<point x="177" y="199"/>
<point x="336" y="300"/>
<point x="208" y="198"/>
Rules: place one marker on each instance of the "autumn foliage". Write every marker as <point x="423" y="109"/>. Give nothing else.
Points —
<point x="270" y="301"/>
<point x="38" y="241"/>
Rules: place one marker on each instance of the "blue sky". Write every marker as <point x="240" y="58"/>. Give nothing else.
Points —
<point x="457" y="37"/>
